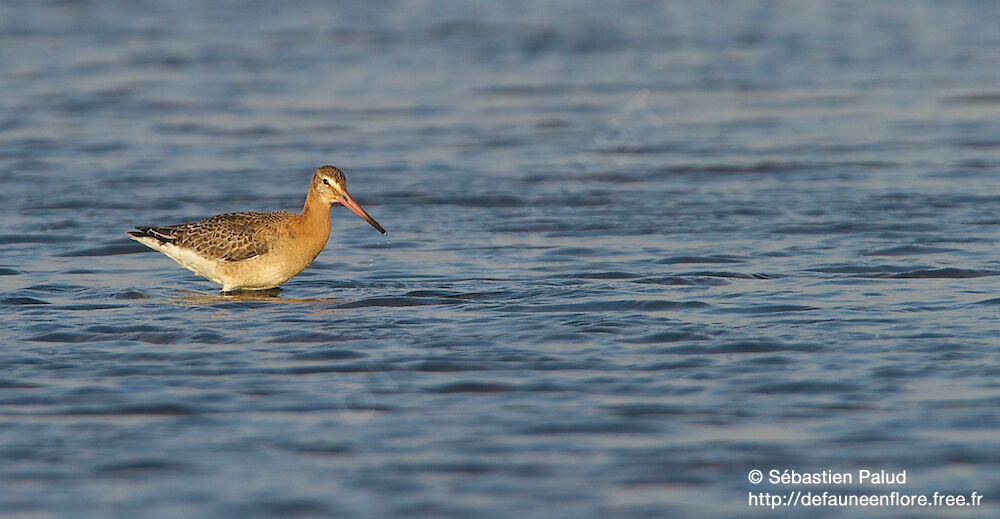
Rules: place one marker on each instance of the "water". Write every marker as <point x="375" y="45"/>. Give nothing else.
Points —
<point x="632" y="254"/>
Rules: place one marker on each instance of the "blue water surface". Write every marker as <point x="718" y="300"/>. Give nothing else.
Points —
<point x="635" y="250"/>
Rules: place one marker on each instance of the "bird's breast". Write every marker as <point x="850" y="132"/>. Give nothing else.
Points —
<point x="305" y="240"/>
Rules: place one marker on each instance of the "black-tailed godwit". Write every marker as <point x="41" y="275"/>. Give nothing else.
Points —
<point x="256" y="251"/>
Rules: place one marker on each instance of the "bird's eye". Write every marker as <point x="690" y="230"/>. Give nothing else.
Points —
<point x="325" y="181"/>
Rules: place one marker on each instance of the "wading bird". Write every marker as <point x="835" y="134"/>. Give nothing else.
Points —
<point x="256" y="251"/>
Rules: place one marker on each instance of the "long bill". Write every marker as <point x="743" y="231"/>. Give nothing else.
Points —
<point x="353" y="206"/>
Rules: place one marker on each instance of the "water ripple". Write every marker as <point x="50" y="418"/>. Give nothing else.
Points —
<point x="630" y="255"/>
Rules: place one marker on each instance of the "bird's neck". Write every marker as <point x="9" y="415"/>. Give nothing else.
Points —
<point x="315" y="216"/>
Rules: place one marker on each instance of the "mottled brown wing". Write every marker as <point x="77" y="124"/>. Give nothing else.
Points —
<point x="226" y="237"/>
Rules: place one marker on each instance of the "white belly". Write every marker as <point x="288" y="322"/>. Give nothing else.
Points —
<point x="259" y="273"/>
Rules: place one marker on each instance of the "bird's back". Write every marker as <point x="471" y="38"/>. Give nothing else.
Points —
<point x="224" y="237"/>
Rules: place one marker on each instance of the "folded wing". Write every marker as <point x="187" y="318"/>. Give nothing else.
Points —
<point x="225" y="237"/>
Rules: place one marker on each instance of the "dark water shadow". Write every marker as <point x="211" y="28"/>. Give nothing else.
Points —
<point x="246" y="296"/>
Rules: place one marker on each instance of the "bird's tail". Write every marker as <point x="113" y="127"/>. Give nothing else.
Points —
<point x="160" y="234"/>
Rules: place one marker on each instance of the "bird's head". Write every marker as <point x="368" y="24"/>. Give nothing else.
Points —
<point x="329" y="185"/>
